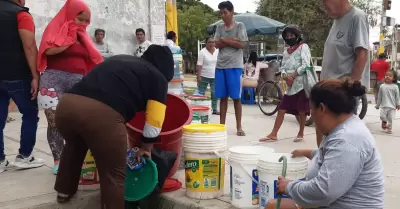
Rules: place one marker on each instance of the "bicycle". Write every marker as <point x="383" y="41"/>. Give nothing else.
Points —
<point x="272" y="92"/>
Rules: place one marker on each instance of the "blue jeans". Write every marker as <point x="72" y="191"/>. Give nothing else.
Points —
<point x="20" y="92"/>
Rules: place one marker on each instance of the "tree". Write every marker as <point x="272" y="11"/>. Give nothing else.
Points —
<point x="194" y="17"/>
<point x="311" y="16"/>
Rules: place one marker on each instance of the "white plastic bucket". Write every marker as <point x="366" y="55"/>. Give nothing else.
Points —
<point x="269" y="169"/>
<point x="203" y="146"/>
<point x="201" y="101"/>
<point x="175" y="87"/>
<point x="178" y="60"/>
<point x="201" y="115"/>
<point x="244" y="188"/>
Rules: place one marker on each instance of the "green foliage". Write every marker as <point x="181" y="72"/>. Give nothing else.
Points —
<point x="193" y="18"/>
<point x="310" y="15"/>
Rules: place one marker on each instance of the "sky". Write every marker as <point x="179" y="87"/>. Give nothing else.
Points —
<point x="242" y="6"/>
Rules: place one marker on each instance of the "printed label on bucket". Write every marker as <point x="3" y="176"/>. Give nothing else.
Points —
<point x="276" y="189"/>
<point x="255" y="188"/>
<point x="89" y="173"/>
<point x="205" y="175"/>
<point x="197" y="118"/>
<point x="264" y="193"/>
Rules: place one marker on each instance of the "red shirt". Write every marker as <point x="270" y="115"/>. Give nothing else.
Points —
<point x="25" y="21"/>
<point x="72" y="60"/>
<point x="381" y="67"/>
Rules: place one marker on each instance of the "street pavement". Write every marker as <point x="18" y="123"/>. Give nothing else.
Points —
<point x="34" y="188"/>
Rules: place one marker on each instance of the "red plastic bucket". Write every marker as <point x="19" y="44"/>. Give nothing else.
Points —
<point x="178" y="114"/>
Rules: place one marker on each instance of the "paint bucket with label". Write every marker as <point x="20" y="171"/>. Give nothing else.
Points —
<point x="201" y="115"/>
<point x="89" y="179"/>
<point x="204" y="145"/>
<point x="269" y="169"/>
<point x="244" y="176"/>
<point x="201" y="101"/>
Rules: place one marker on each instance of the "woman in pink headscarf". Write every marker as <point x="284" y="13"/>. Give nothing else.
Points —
<point x="66" y="54"/>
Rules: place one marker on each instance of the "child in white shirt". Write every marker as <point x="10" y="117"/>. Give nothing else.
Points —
<point x="388" y="100"/>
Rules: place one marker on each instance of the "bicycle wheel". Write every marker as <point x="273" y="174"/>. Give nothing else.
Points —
<point x="364" y="106"/>
<point x="268" y="98"/>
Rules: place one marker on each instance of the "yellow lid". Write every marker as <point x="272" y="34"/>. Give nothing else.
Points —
<point x="204" y="128"/>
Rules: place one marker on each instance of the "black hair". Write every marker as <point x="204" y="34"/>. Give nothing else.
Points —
<point x="339" y="96"/>
<point x="208" y="38"/>
<point x="226" y="5"/>
<point x="253" y="58"/>
<point x="394" y="73"/>
<point x="140" y="30"/>
<point x="382" y="56"/>
<point x="171" y="35"/>
<point x="99" y="30"/>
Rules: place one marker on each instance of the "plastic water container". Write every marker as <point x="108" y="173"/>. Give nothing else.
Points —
<point x="178" y="60"/>
<point x="200" y="100"/>
<point x="175" y="87"/>
<point x="89" y="179"/>
<point x="203" y="146"/>
<point x="177" y="115"/>
<point x="244" y="188"/>
<point x="201" y="115"/>
<point x="269" y="169"/>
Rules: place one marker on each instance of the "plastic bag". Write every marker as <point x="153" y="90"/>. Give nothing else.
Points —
<point x="310" y="78"/>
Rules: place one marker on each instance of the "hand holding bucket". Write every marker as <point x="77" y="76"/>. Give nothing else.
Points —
<point x="284" y="168"/>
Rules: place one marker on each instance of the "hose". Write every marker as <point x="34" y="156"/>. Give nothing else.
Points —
<point x="284" y="168"/>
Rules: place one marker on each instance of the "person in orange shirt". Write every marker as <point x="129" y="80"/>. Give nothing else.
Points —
<point x="380" y="66"/>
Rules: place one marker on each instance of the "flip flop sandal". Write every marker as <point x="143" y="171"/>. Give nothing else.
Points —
<point x="267" y="139"/>
<point x="241" y="133"/>
<point x="298" y="139"/>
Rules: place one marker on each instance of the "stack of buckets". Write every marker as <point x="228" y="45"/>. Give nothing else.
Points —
<point x="254" y="173"/>
<point x="175" y="86"/>
<point x="254" y="170"/>
<point x="202" y="109"/>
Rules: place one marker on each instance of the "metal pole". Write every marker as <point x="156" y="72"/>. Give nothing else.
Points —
<point x="169" y="15"/>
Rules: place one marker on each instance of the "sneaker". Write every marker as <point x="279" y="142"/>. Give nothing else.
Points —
<point x="22" y="162"/>
<point x="55" y="168"/>
<point x="4" y="165"/>
<point x="389" y="131"/>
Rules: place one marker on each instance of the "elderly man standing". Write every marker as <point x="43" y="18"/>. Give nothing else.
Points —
<point x="346" y="48"/>
<point x="19" y="78"/>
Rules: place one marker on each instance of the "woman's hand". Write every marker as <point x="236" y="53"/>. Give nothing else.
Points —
<point x="282" y="184"/>
<point x="302" y="153"/>
<point x="144" y="150"/>
<point x="289" y="81"/>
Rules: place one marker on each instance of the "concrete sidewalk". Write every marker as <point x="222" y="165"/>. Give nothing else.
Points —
<point x="33" y="188"/>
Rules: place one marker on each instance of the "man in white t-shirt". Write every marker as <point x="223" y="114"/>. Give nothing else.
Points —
<point x="143" y="44"/>
<point x="206" y="63"/>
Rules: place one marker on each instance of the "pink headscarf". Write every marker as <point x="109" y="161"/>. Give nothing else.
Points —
<point x="63" y="31"/>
